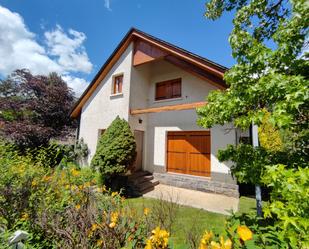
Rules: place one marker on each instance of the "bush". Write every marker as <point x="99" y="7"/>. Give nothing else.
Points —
<point x="289" y="203"/>
<point x="63" y="207"/>
<point x="116" y="150"/>
<point x="285" y="221"/>
<point x="55" y="154"/>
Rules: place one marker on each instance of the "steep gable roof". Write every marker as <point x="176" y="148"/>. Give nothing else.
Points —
<point x="202" y="65"/>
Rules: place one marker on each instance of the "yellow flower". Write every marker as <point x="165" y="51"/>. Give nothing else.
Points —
<point x="114" y="194"/>
<point x="34" y="183"/>
<point x="77" y="206"/>
<point x="62" y="175"/>
<point x="148" y="244"/>
<point x="75" y="172"/>
<point x="114" y="216"/>
<point x="101" y="189"/>
<point x="205" y="240"/>
<point x="228" y="244"/>
<point x="21" y="169"/>
<point x="112" y="224"/>
<point x="25" y="216"/>
<point x="99" y="242"/>
<point x="114" y="219"/>
<point x="244" y="233"/>
<point x="74" y="187"/>
<point x="159" y="238"/>
<point x="94" y="227"/>
<point x="146" y="211"/>
<point x="46" y="178"/>
<point x="215" y="245"/>
<point x="87" y="184"/>
<point x="225" y="244"/>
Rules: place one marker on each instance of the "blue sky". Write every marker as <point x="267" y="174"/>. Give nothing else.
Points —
<point x="75" y="37"/>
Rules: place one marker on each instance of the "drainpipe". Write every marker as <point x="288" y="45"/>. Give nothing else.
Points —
<point x="258" y="190"/>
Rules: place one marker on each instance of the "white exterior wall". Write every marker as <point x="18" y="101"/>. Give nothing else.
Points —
<point x="139" y="88"/>
<point x="139" y="93"/>
<point x="103" y="107"/>
<point x="156" y="125"/>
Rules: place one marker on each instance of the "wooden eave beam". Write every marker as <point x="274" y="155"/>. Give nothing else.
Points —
<point x="145" y="53"/>
<point x="217" y="81"/>
<point x="168" y="108"/>
<point x="133" y="35"/>
<point x="173" y="51"/>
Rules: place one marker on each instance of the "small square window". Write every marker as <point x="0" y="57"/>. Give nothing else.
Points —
<point x="117" y="84"/>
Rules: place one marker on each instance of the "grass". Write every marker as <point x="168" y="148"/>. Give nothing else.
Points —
<point x="192" y="219"/>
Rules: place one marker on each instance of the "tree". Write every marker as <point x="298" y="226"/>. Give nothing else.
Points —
<point x="34" y="108"/>
<point x="271" y="74"/>
<point x="116" y="150"/>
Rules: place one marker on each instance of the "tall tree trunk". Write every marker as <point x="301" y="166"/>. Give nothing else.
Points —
<point x="258" y="190"/>
<point x="258" y="198"/>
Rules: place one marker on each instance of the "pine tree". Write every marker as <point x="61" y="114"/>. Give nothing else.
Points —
<point x="116" y="150"/>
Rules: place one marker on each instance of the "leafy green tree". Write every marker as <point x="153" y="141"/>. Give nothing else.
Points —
<point x="116" y="150"/>
<point x="269" y="136"/>
<point x="289" y="203"/>
<point x="268" y="42"/>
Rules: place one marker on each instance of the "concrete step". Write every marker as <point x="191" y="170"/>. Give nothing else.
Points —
<point x="145" y="185"/>
<point x="142" y="182"/>
<point x="139" y="180"/>
<point x="147" y="190"/>
<point x="138" y="174"/>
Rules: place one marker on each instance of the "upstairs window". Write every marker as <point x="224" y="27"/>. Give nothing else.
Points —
<point x="169" y="89"/>
<point x="117" y="84"/>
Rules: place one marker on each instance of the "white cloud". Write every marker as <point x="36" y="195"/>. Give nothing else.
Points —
<point x="69" y="50"/>
<point x="78" y="84"/>
<point x="107" y="4"/>
<point x="18" y="45"/>
<point x="61" y="52"/>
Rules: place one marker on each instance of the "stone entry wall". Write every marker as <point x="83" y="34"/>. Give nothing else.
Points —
<point x="198" y="183"/>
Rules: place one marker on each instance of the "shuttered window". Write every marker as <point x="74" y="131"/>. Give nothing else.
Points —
<point x="168" y="89"/>
<point x="117" y="85"/>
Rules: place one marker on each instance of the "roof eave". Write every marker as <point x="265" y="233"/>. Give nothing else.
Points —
<point x="133" y="32"/>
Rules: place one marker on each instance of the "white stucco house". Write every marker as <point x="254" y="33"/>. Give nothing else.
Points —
<point x="157" y="87"/>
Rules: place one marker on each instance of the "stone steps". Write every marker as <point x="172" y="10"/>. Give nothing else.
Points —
<point x="142" y="182"/>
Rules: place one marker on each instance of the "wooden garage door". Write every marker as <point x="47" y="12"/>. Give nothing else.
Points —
<point x="189" y="152"/>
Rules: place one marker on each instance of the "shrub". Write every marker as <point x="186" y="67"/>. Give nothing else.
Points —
<point x="289" y="203"/>
<point x="116" y="150"/>
<point x="63" y="207"/>
<point x="55" y="154"/>
<point x="49" y="156"/>
<point x="285" y="221"/>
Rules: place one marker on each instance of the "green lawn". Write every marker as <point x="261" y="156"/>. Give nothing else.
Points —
<point x="192" y="218"/>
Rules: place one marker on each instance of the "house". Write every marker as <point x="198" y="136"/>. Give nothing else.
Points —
<point x="157" y="87"/>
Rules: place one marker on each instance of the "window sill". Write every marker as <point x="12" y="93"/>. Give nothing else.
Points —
<point x="116" y="95"/>
<point x="167" y="100"/>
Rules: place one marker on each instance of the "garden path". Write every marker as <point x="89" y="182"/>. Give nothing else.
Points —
<point x="208" y="201"/>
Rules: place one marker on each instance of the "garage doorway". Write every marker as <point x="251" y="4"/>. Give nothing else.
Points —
<point x="188" y="152"/>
